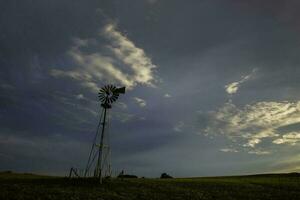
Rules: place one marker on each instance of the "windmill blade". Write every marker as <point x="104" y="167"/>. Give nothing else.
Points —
<point x="102" y="98"/>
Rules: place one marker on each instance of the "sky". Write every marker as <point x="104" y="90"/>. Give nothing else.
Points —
<point x="212" y="86"/>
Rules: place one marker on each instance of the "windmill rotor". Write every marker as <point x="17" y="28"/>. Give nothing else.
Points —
<point x="109" y="94"/>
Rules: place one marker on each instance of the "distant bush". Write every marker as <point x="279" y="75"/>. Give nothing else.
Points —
<point x="165" y="175"/>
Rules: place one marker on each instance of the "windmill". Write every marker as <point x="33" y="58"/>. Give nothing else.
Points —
<point x="99" y="158"/>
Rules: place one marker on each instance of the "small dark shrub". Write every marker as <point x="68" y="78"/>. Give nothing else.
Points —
<point x="165" y="175"/>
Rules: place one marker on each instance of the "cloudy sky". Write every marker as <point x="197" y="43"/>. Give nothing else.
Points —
<point x="212" y="85"/>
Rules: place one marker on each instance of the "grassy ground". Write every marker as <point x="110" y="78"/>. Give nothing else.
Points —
<point x="26" y="186"/>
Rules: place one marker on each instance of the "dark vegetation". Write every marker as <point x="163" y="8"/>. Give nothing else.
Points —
<point x="165" y="175"/>
<point x="28" y="186"/>
<point x="127" y="176"/>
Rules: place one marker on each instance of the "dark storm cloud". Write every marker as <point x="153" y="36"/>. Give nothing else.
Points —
<point x="198" y="48"/>
<point x="35" y="38"/>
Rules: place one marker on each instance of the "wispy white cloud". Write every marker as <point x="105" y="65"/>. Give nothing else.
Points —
<point x="167" y="95"/>
<point x="121" y="105"/>
<point x="233" y="87"/>
<point x="291" y="138"/>
<point x="259" y="152"/>
<point x="179" y="126"/>
<point x="229" y="150"/>
<point x="252" y="124"/>
<point x="69" y="103"/>
<point x="119" y="62"/>
<point x="140" y="102"/>
<point x="123" y="117"/>
<point x="134" y="57"/>
<point x="79" y="96"/>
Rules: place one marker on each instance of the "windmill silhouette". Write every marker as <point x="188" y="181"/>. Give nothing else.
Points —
<point x="99" y="164"/>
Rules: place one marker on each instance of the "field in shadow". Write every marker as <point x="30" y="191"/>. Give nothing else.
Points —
<point x="28" y="186"/>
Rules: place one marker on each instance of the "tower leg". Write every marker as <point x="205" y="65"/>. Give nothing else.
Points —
<point x="100" y="157"/>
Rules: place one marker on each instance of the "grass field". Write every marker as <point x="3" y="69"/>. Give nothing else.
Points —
<point x="27" y="186"/>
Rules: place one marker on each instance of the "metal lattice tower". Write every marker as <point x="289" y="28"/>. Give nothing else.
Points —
<point x="99" y="164"/>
